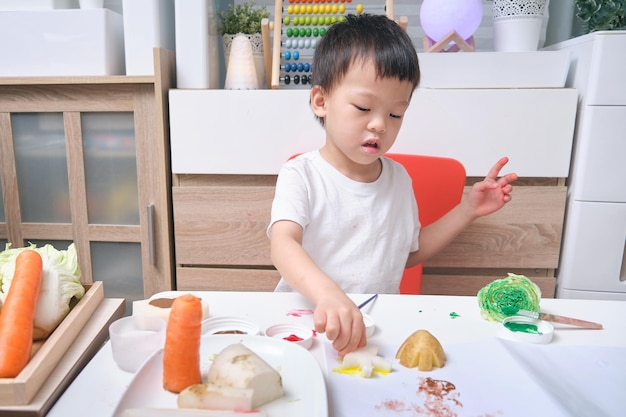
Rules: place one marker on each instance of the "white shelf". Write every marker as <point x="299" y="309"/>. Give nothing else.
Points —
<point x="255" y="131"/>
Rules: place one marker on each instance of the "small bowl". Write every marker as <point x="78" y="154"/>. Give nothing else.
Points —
<point x="301" y="336"/>
<point x="370" y="327"/>
<point x="133" y="345"/>
<point x="527" y="329"/>
<point x="229" y="325"/>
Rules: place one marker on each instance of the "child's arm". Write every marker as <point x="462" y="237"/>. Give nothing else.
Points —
<point x="486" y="197"/>
<point x="335" y="313"/>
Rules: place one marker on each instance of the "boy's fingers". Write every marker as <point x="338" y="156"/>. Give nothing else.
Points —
<point x="495" y="170"/>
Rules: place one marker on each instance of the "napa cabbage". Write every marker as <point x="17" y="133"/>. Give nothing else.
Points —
<point x="60" y="284"/>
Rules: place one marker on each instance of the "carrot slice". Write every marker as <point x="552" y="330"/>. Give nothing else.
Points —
<point x="18" y="314"/>
<point x="181" y="355"/>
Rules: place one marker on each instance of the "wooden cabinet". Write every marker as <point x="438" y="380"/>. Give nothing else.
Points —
<point x="86" y="160"/>
<point x="227" y="147"/>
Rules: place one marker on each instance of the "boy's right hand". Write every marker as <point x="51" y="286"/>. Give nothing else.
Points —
<point x="342" y="322"/>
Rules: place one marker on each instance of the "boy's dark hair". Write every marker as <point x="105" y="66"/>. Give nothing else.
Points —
<point x="362" y="37"/>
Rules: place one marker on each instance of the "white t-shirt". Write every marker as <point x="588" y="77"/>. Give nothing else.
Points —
<point x="359" y="234"/>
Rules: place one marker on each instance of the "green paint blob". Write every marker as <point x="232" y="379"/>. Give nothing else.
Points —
<point x="454" y="315"/>
<point x="522" y="327"/>
<point x="509" y="310"/>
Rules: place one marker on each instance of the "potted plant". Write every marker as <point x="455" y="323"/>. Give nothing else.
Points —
<point x="601" y="14"/>
<point x="244" y="18"/>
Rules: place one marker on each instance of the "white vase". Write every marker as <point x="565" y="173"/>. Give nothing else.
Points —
<point x="241" y="71"/>
<point x="257" y="50"/>
<point x="519" y="25"/>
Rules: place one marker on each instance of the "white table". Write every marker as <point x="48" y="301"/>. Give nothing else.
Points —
<point x="98" y="388"/>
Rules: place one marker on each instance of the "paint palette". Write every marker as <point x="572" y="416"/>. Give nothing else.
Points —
<point x="526" y="329"/>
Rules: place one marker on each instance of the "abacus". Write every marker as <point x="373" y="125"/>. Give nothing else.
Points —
<point x="298" y="25"/>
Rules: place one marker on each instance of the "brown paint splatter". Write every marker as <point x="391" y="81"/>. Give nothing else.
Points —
<point x="392" y="405"/>
<point x="440" y="399"/>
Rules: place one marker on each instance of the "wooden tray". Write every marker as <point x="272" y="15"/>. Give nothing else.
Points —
<point x="21" y="389"/>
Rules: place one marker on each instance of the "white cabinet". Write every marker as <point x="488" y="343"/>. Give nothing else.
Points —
<point x="592" y="261"/>
<point x="228" y="145"/>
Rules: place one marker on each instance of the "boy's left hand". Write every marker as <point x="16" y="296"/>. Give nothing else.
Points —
<point x="492" y="193"/>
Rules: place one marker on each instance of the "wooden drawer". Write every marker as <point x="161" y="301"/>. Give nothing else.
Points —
<point x="221" y="243"/>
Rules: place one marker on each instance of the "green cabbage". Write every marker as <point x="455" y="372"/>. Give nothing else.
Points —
<point x="60" y="283"/>
<point x="504" y="297"/>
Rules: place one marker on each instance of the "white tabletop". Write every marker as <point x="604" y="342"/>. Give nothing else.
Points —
<point x="453" y="320"/>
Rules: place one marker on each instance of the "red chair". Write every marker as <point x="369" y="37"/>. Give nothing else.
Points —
<point x="438" y="186"/>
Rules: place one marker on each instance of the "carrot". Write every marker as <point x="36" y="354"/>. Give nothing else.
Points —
<point x="18" y="314"/>
<point x="181" y="355"/>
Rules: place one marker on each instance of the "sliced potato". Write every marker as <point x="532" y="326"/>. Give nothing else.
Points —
<point x="423" y="350"/>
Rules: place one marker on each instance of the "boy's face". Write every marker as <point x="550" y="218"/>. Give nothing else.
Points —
<point x="362" y="116"/>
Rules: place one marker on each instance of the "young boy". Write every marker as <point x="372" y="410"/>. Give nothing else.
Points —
<point x="344" y="218"/>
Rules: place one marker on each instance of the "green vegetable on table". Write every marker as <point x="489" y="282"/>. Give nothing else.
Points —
<point x="504" y="297"/>
<point x="60" y="283"/>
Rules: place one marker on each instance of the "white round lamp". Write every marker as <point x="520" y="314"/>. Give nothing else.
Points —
<point x="440" y="18"/>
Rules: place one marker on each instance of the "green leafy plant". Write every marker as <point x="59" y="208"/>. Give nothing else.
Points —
<point x="242" y="18"/>
<point x="601" y="14"/>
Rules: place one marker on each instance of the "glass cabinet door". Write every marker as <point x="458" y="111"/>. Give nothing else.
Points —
<point x="41" y="165"/>
<point x="110" y="168"/>
<point x="110" y="189"/>
<point x="109" y="150"/>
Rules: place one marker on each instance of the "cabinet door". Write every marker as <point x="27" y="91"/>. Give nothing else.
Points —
<point x="102" y="193"/>
<point x="87" y="161"/>
<point x="594" y="248"/>
<point x="599" y="169"/>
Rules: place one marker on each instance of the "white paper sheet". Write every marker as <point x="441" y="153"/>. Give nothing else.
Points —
<point x="490" y="378"/>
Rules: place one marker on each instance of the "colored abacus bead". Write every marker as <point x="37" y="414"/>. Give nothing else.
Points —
<point x="296" y="55"/>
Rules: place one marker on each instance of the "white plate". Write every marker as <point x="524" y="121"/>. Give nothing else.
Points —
<point x="303" y="382"/>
